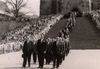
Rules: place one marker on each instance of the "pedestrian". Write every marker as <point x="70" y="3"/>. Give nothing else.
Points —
<point x="61" y="33"/>
<point x="60" y="49"/>
<point x="26" y="53"/>
<point x="49" y="54"/>
<point x="56" y="55"/>
<point x="34" y="52"/>
<point x="54" y="50"/>
<point x="41" y="47"/>
<point x="67" y="45"/>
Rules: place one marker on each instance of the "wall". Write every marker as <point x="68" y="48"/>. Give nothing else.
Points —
<point x="51" y="6"/>
<point x="96" y="4"/>
<point x="83" y="5"/>
<point x="45" y="7"/>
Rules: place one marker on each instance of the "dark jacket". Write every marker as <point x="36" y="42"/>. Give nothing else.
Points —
<point x="41" y="46"/>
<point x="27" y="49"/>
<point x="34" y="48"/>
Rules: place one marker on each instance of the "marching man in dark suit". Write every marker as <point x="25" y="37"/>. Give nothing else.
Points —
<point x="41" y="47"/>
<point x="27" y="53"/>
<point x="34" y="52"/>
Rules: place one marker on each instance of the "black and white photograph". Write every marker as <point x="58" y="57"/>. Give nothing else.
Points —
<point x="49" y="34"/>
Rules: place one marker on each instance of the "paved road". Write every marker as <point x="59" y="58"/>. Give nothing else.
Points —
<point x="77" y="59"/>
<point x="85" y="35"/>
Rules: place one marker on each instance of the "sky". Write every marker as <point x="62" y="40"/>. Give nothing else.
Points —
<point x="32" y="7"/>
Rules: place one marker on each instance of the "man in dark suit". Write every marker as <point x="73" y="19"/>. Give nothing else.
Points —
<point x="34" y="52"/>
<point x="41" y="47"/>
<point x="56" y="55"/>
<point x="27" y="53"/>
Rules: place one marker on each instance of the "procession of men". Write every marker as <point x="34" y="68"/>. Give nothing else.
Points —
<point x="49" y="50"/>
<point x="52" y="50"/>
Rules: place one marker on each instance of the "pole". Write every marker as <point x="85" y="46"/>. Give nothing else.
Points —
<point x="90" y="5"/>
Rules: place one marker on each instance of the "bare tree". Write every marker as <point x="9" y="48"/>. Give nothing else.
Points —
<point x="16" y="6"/>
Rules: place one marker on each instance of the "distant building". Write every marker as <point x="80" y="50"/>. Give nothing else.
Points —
<point x="63" y="6"/>
<point x="50" y="7"/>
<point x="96" y="4"/>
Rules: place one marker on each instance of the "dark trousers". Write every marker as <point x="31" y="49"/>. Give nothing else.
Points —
<point x="25" y="60"/>
<point x="34" y="57"/>
<point x="67" y="51"/>
<point x="63" y="57"/>
<point x="57" y="61"/>
<point x="41" y="59"/>
<point x="48" y="58"/>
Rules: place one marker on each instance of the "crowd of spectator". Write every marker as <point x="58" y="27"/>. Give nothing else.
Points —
<point x="95" y="16"/>
<point x="51" y="49"/>
<point x="34" y="30"/>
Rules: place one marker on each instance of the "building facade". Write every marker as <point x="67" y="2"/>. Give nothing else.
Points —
<point x="63" y="6"/>
<point x="50" y="7"/>
<point x="96" y="4"/>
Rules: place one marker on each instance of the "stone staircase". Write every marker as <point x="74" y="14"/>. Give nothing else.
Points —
<point x="85" y="35"/>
